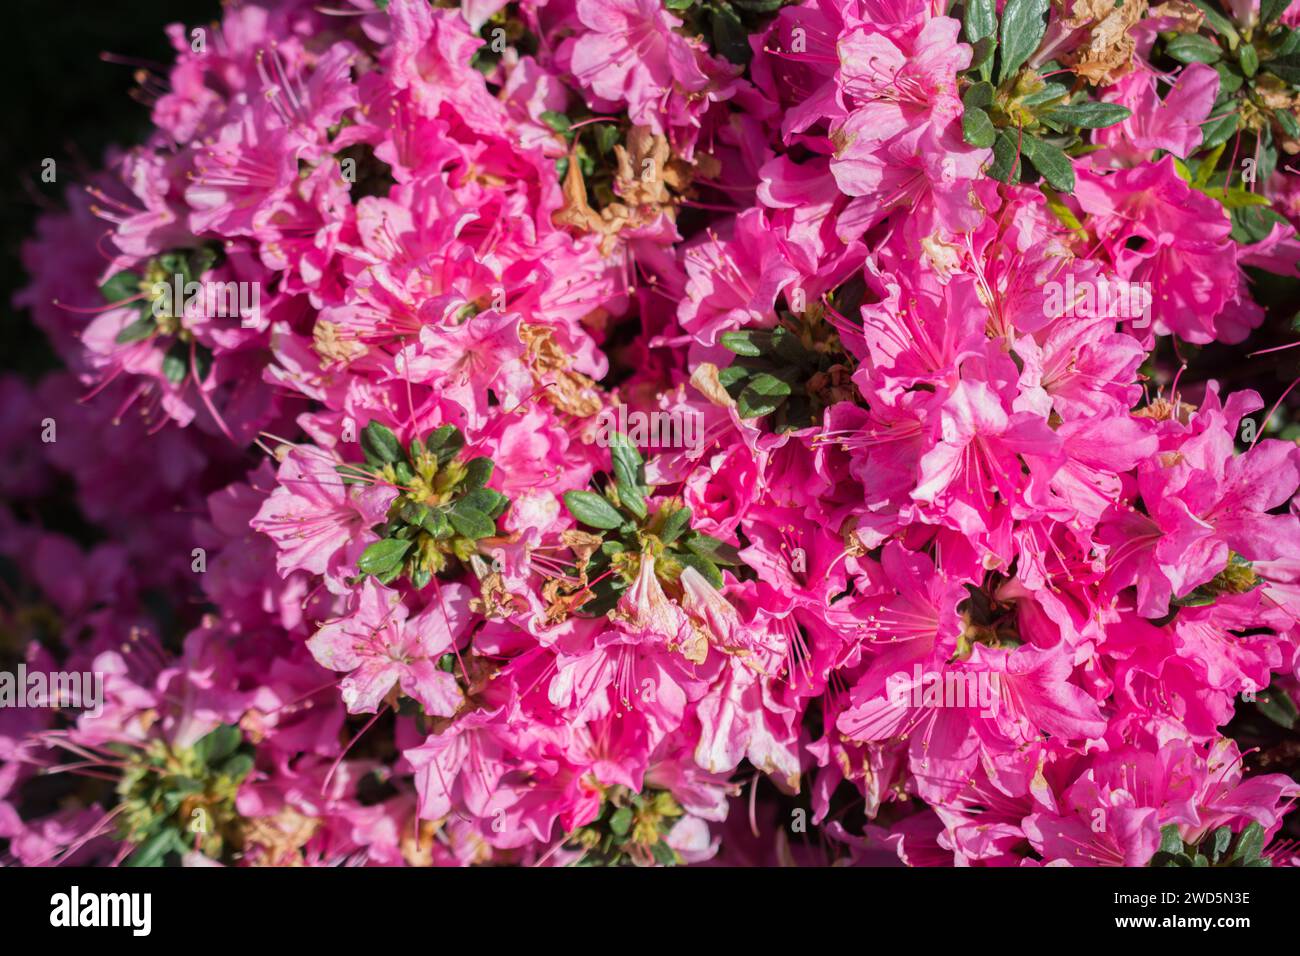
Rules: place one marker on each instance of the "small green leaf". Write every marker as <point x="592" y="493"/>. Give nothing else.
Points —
<point x="438" y="524"/>
<point x="1248" y="59"/>
<point x="730" y="38"/>
<point x="141" y="328"/>
<point x="704" y="566"/>
<point x="173" y="364"/>
<point x="491" y="503"/>
<point x="383" y="556"/>
<point x="556" y="121"/>
<point x="1218" y="22"/>
<point x="1052" y="164"/>
<point x="621" y="821"/>
<point x="380" y="443"/>
<point x="153" y="851"/>
<point x="1193" y="48"/>
<point x="980" y="20"/>
<point x="121" y="286"/>
<point x="1270" y="10"/>
<point x="747" y="342"/>
<point x="216" y="745"/>
<point x="677" y="522"/>
<point x="707" y="546"/>
<point x="1286" y="119"/>
<point x="982" y="56"/>
<point x="1049" y="92"/>
<point x="1023" y="24"/>
<point x="977" y="129"/>
<point x="1222" y="840"/>
<point x="607" y="135"/>
<point x="1216" y="131"/>
<point x="470" y="522"/>
<point x="1089" y="114"/>
<point x="1276" y="704"/>
<point x="1170" y="840"/>
<point x="1286" y="67"/>
<point x="1251" y="224"/>
<point x="978" y="96"/>
<point x="1249" y="844"/>
<point x="477" y="472"/>
<point x="1006" y="165"/>
<point x="762" y="395"/>
<point x="592" y="510"/>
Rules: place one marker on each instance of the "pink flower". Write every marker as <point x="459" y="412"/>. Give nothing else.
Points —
<point x="381" y="647"/>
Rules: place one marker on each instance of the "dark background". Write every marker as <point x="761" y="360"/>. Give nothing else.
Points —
<point x="63" y="102"/>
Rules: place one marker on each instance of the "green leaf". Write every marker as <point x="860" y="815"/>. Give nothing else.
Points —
<point x="1287" y="121"/>
<point x="628" y="475"/>
<point x="1049" y="92"/>
<point x="592" y="510"/>
<point x="153" y="851"/>
<point x="141" y="328"/>
<point x="470" y="522"/>
<point x="1218" y="22"/>
<point x="607" y="135"/>
<point x="707" y="546"/>
<point x="1276" y="704"/>
<point x="1222" y="840"/>
<point x="1270" y="10"/>
<point x="121" y="286"/>
<point x="173" y="364"/>
<point x="627" y="461"/>
<point x="1089" y="114"/>
<point x="477" y="472"/>
<point x="380" y="443"/>
<point x="704" y="566"/>
<point x="383" y="556"/>
<point x="216" y="745"/>
<point x="675" y="524"/>
<point x="1052" y="164"/>
<point x="748" y="342"/>
<point x="438" y="524"/>
<point x="1170" y="841"/>
<point x="1249" y="844"/>
<point x="730" y="38"/>
<point x="621" y="821"/>
<point x="1235" y="197"/>
<point x="440" y="436"/>
<point x="664" y="854"/>
<point x="762" y="395"/>
<point x="1023" y="24"/>
<point x="1218" y="131"/>
<point x="557" y="121"/>
<point x="238" y="766"/>
<point x="1252" y="224"/>
<point x="980" y="20"/>
<point x="1285" y="67"/>
<point x="1193" y="48"/>
<point x="982" y="57"/>
<point x="1230" y="81"/>
<point x="978" y="95"/>
<point x="1006" y="165"/>
<point x="1249" y="59"/>
<point x="977" y="129"/>
<point x="491" y="503"/>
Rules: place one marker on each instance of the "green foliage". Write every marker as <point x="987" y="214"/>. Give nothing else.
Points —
<point x="443" y="509"/>
<point x="1219" y="849"/>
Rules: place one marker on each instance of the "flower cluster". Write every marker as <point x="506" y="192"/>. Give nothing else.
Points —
<point x="586" y="432"/>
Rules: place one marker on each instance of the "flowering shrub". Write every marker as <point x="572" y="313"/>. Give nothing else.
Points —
<point x="587" y="432"/>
